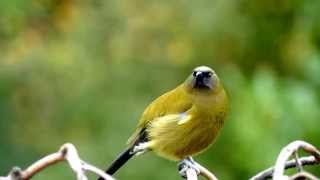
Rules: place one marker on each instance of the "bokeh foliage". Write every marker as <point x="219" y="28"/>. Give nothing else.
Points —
<point x="83" y="71"/>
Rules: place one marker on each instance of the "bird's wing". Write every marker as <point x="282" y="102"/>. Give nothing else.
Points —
<point x="172" y="102"/>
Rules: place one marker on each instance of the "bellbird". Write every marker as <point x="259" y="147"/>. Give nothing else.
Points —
<point x="182" y="122"/>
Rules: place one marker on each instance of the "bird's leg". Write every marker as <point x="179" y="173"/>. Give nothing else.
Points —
<point x="186" y="164"/>
<point x="191" y="160"/>
<point x="140" y="148"/>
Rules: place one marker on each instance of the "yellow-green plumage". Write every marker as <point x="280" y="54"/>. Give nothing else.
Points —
<point x="184" y="121"/>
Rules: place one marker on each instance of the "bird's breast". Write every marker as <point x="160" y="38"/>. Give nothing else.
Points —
<point x="175" y="140"/>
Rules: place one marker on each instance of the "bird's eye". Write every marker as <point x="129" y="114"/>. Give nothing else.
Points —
<point x="207" y="74"/>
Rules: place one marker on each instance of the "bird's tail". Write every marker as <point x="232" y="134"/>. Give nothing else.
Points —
<point x="119" y="162"/>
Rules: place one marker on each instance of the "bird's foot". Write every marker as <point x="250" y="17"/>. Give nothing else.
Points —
<point x="186" y="164"/>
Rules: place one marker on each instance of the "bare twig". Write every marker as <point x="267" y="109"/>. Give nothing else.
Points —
<point x="289" y="164"/>
<point x="298" y="163"/>
<point x="67" y="152"/>
<point x="206" y="173"/>
<point x="283" y="163"/>
<point x="287" y="151"/>
<point x="41" y="164"/>
<point x="303" y="175"/>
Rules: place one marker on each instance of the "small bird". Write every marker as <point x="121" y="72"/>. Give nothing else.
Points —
<point x="182" y="122"/>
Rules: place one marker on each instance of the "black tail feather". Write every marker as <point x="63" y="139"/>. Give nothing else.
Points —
<point x="119" y="162"/>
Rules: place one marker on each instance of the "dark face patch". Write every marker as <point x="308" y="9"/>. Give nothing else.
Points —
<point x="202" y="80"/>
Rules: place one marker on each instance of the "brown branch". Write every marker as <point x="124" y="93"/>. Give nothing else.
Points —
<point x="67" y="152"/>
<point x="282" y="162"/>
<point x="206" y="173"/>
<point x="305" y="161"/>
<point x="288" y="151"/>
<point x="303" y="175"/>
<point x="41" y="164"/>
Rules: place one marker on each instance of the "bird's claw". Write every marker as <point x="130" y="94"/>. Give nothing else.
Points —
<point x="186" y="164"/>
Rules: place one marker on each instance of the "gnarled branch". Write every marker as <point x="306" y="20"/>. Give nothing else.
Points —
<point x="67" y="152"/>
<point x="282" y="163"/>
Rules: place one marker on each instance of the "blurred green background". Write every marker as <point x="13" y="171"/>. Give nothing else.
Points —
<point x="83" y="71"/>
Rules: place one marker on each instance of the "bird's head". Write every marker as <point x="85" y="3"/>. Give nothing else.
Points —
<point x="202" y="79"/>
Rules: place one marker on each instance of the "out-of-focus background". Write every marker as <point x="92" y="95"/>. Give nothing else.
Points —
<point x="83" y="71"/>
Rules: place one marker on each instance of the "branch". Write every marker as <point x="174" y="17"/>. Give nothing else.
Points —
<point x="192" y="172"/>
<point x="310" y="160"/>
<point x="206" y="173"/>
<point x="303" y="175"/>
<point x="282" y="161"/>
<point x="288" y="151"/>
<point x="67" y="152"/>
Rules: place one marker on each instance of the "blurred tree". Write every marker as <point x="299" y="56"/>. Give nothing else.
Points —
<point x="82" y="71"/>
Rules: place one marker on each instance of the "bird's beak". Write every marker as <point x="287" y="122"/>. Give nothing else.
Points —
<point x="202" y="82"/>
